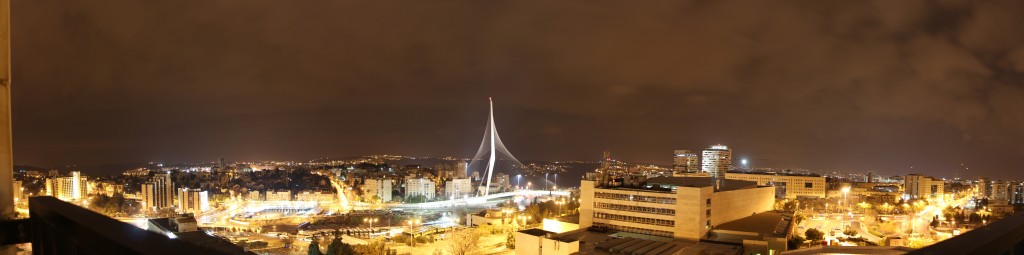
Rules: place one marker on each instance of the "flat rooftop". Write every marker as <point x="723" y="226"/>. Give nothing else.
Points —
<point x="637" y="244"/>
<point x="699" y="182"/>
<point x="767" y="224"/>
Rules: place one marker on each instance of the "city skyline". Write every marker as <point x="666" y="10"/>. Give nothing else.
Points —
<point x="290" y="84"/>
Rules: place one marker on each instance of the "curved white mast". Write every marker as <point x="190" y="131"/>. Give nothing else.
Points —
<point x="490" y="162"/>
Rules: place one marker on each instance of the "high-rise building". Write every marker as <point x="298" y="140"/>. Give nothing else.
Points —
<point x="917" y="186"/>
<point x="717" y="160"/>
<point x="158" y="193"/>
<point x="457" y="188"/>
<point x="685" y="161"/>
<point x="67" y="188"/>
<point x="193" y="201"/>
<point x="677" y="207"/>
<point x="1017" y="193"/>
<point x="984" y="187"/>
<point x="461" y="168"/>
<point x="420" y="187"/>
<point x="1000" y="191"/>
<point x="378" y="187"/>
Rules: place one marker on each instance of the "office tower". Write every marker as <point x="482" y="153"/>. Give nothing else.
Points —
<point x="193" y="201"/>
<point x="717" y="160"/>
<point x="420" y="187"/>
<point x="458" y="188"/>
<point x="378" y="187"/>
<point x="685" y="161"/>
<point x="158" y="193"/>
<point x="917" y="186"/>
<point x="1016" y="193"/>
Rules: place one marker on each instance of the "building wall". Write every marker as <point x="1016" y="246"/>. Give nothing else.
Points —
<point x="282" y="195"/>
<point x="457" y="188"/>
<point x="420" y="186"/>
<point x="923" y="187"/>
<point x="732" y="205"/>
<point x="379" y="187"/>
<point x="527" y="244"/>
<point x="555" y="247"/>
<point x="193" y="201"/>
<point x="796" y="186"/>
<point x="158" y="193"/>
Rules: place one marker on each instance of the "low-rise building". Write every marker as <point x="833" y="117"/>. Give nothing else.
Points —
<point x="786" y="186"/>
<point x="678" y="207"/>
<point x="279" y="195"/>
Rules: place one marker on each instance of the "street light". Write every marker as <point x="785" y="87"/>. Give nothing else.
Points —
<point x="846" y="203"/>
<point x="371" y="221"/>
<point x="412" y="223"/>
<point x="519" y="180"/>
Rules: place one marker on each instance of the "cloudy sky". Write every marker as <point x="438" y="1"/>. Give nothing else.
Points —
<point x="845" y="85"/>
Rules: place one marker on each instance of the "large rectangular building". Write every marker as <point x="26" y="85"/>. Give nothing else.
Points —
<point x="458" y="188"/>
<point x="917" y="186"/>
<point x="678" y="207"/>
<point x="193" y="201"/>
<point x="716" y="160"/>
<point x="788" y="186"/>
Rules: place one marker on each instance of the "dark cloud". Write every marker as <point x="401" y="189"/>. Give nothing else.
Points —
<point x="867" y="85"/>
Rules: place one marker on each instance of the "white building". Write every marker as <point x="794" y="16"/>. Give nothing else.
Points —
<point x="461" y="168"/>
<point x="717" y="160"/>
<point x="378" y="187"/>
<point x="420" y="186"/>
<point x="67" y="188"/>
<point x="193" y="201"/>
<point x="685" y="161"/>
<point x="457" y="188"/>
<point x="158" y="193"/>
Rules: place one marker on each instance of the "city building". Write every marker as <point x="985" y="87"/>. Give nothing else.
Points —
<point x="19" y="191"/>
<point x="458" y="188"/>
<point x="685" y="161"/>
<point x="541" y="242"/>
<point x="381" y="188"/>
<point x="67" y="188"/>
<point x="762" y="233"/>
<point x="1016" y="193"/>
<point x="315" y="196"/>
<point x="158" y="193"/>
<point x="984" y="187"/>
<point x="786" y="186"/>
<point x="461" y="169"/>
<point x="279" y="195"/>
<point x="193" y="201"/>
<point x="678" y="207"/>
<point x="716" y="160"/>
<point x="420" y="187"/>
<point x="1000" y="191"/>
<point x="917" y="186"/>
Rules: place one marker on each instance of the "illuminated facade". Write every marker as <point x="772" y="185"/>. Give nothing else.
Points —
<point x="378" y="187"/>
<point x="420" y="187"/>
<point x="917" y="186"/>
<point x="685" y="161"/>
<point x="193" y="201"/>
<point x="67" y="188"/>
<point x="716" y="160"/>
<point x="679" y="207"/>
<point x="788" y="186"/>
<point x="158" y="193"/>
<point x="457" y="188"/>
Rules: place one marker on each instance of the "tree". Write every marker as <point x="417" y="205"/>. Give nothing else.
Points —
<point x="795" y="242"/>
<point x="850" y="232"/>
<point x="510" y="241"/>
<point x="814" y="234"/>
<point x="462" y="242"/>
<point x="314" y="247"/>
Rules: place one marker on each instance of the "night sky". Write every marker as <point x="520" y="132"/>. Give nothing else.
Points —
<point x="824" y="85"/>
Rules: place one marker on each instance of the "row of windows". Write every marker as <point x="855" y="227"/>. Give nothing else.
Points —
<point x="636" y="230"/>
<point x="634" y="219"/>
<point x="638" y="198"/>
<point x="639" y="209"/>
